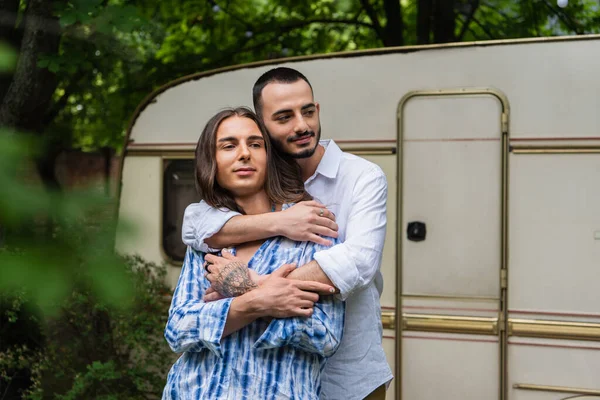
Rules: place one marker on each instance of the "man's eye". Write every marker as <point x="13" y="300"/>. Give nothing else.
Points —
<point x="228" y="147"/>
<point x="283" y="118"/>
<point x="256" y="145"/>
<point x="309" y="113"/>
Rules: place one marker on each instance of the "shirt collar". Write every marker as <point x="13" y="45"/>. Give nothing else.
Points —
<point x="330" y="162"/>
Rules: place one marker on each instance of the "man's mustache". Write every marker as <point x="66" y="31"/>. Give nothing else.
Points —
<point x="300" y="136"/>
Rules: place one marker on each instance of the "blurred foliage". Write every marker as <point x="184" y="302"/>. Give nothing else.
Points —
<point x="8" y="58"/>
<point x="89" y="349"/>
<point x="115" y="52"/>
<point x="111" y="54"/>
<point x="50" y="235"/>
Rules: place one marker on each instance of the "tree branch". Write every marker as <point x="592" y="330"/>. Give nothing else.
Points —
<point x="300" y="24"/>
<point x="495" y="9"/>
<point x="475" y="35"/>
<point x="60" y="104"/>
<point x="190" y="67"/>
<point x="483" y="28"/>
<point x="468" y="20"/>
<point x="565" y="18"/>
<point x="374" y="20"/>
<point x="231" y="14"/>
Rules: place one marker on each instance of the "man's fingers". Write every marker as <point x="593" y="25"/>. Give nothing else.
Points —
<point x="324" y="231"/>
<point x="316" y="287"/>
<point x="306" y="304"/>
<point x="303" y="312"/>
<point x="284" y="270"/>
<point x="319" y="240"/>
<point x="308" y="296"/>
<point x="312" y="203"/>
<point x="327" y="223"/>
<point x="326" y="213"/>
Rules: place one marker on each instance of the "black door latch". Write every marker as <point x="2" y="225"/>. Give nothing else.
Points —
<point x="416" y="231"/>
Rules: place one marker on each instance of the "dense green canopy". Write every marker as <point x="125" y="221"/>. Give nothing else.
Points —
<point x="104" y="56"/>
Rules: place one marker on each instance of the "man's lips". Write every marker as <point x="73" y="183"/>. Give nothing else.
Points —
<point x="303" y="139"/>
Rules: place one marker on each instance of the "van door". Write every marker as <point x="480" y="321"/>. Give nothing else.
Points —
<point x="452" y="249"/>
<point x="554" y="318"/>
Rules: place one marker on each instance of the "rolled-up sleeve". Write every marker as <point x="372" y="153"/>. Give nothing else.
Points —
<point x="194" y="325"/>
<point x="201" y="222"/>
<point x="352" y="265"/>
<point x="321" y="333"/>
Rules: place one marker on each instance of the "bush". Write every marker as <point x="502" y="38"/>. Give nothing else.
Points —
<point x="89" y="350"/>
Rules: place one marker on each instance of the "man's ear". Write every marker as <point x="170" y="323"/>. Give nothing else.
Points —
<point x="318" y="106"/>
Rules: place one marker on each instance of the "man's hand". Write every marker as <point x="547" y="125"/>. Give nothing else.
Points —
<point x="217" y="277"/>
<point x="280" y="297"/>
<point x="308" y="221"/>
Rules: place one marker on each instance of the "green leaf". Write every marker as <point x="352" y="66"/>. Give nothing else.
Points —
<point x="8" y="58"/>
<point x="53" y="66"/>
<point x="68" y="18"/>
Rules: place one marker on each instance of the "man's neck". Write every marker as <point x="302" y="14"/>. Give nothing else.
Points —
<point x="309" y="165"/>
<point x="257" y="203"/>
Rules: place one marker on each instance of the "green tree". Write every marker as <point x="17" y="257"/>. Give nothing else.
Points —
<point x="84" y="65"/>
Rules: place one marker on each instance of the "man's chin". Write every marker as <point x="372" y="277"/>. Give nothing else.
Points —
<point x="307" y="153"/>
<point x="302" y="152"/>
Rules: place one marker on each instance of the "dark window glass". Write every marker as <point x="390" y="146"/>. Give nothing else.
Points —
<point x="179" y="191"/>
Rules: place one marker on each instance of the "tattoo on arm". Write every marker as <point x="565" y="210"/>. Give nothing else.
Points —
<point x="234" y="280"/>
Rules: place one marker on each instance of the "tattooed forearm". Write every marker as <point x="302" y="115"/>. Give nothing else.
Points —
<point x="234" y="280"/>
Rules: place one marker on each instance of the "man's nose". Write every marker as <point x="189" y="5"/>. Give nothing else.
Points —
<point x="301" y="125"/>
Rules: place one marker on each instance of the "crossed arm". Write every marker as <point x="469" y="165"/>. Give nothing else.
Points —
<point x="194" y="325"/>
<point x="348" y="266"/>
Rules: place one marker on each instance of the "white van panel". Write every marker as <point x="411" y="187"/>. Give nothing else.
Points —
<point x="555" y="363"/>
<point x="555" y="217"/>
<point x="548" y="83"/>
<point x="449" y="367"/>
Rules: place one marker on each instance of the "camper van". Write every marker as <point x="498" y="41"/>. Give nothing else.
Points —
<point x="492" y="155"/>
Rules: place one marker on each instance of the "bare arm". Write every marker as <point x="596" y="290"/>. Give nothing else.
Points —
<point x="354" y="263"/>
<point x="301" y="222"/>
<point x="194" y="324"/>
<point x="241" y="313"/>
<point x="244" y="228"/>
<point x="312" y="272"/>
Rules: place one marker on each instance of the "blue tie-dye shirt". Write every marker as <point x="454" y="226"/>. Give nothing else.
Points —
<point x="282" y="359"/>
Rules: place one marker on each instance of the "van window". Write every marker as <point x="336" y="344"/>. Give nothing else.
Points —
<point x="179" y="191"/>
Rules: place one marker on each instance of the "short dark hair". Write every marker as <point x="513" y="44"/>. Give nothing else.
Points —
<point x="283" y="182"/>
<point x="275" y="75"/>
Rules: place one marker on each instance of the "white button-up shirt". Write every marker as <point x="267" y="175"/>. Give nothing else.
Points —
<point x="355" y="190"/>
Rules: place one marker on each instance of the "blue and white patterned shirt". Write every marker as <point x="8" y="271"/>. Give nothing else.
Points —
<point x="355" y="190"/>
<point x="282" y="359"/>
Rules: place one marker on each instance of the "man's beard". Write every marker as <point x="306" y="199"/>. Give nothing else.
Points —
<point x="302" y="154"/>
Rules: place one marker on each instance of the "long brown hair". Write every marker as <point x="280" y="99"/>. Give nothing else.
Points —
<point x="283" y="182"/>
